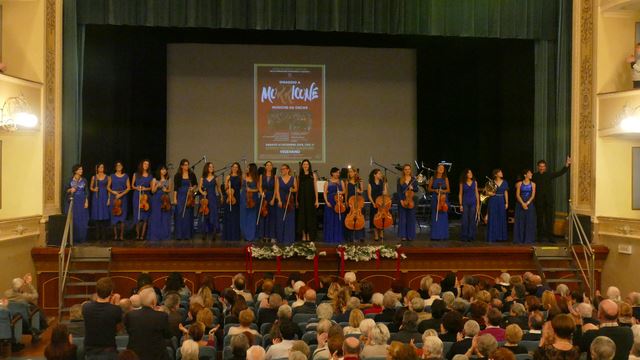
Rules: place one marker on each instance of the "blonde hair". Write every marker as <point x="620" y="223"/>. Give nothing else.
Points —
<point x="548" y="300"/>
<point x="207" y="297"/>
<point x="246" y="317"/>
<point x="355" y="318"/>
<point x="333" y="290"/>
<point x="425" y="283"/>
<point x="513" y="334"/>
<point x="205" y="316"/>
<point x="189" y="350"/>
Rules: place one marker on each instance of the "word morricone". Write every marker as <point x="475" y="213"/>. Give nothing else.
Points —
<point x="289" y="93"/>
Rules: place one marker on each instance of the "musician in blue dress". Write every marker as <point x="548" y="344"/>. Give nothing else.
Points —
<point x="184" y="185"/>
<point x="285" y="195"/>
<point x="469" y="199"/>
<point x="233" y="182"/>
<point x="160" y="217"/>
<point x="406" y="213"/>
<point x="249" y="203"/>
<point x="141" y="184"/>
<point x="497" y="209"/>
<point x="209" y="188"/>
<point x="118" y="187"/>
<point x="266" y="185"/>
<point x="77" y="189"/>
<point x="439" y="189"/>
<point x="524" y="228"/>
<point x="377" y="186"/>
<point x="100" y="202"/>
<point x="332" y="225"/>
<point x="353" y="191"/>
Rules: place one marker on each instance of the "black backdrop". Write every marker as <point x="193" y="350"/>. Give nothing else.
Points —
<point x="475" y="96"/>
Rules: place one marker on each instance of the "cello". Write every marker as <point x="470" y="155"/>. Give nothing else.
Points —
<point x="383" y="218"/>
<point x="355" y="220"/>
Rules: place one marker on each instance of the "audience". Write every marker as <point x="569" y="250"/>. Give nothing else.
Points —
<point x="469" y="332"/>
<point x="148" y="328"/>
<point x="60" y="347"/>
<point x="189" y="350"/>
<point x="309" y="304"/>
<point x="376" y="342"/>
<point x="482" y="346"/>
<point x="282" y="344"/>
<point x="101" y="319"/>
<point x="351" y="349"/>
<point x="602" y="348"/>
<point x="355" y="318"/>
<point x="389" y="303"/>
<point x="556" y="340"/>
<point x="452" y="323"/>
<point x="246" y="319"/>
<point x="76" y="321"/>
<point x="376" y="304"/>
<point x="256" y="352"/>
<point x="238" y="285"/>
<point x="269" y="314"/>
<point x="438" y="309"/>
<point x="239" y="347"/>
<point x="409" y="329"/>
<point x="175" y="284"/>
<point x="322" y="337"/>
<point x="493" y="320"/>
<point x="608" y="316"/>
<point x="513" y="335"/>
<point x="432" y="348"/>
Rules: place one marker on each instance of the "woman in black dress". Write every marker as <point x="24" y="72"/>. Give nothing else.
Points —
<point x="307" y="201"/>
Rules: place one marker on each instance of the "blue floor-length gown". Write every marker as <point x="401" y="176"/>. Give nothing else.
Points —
<point x="439" y="219"/>
<point x="183" y="215"/>
<point x="286" y="227"/>
<point x="469" y="213"/>
<point x="80" y="213"/>
<point x="99" y="208"/>
<point x="119" y="184"/>
<point x="248" y="216"/>
<point x="406" y="217"/>
<point x="232" y="214"/>
<point x="145" y="182"/>
<point x="159" y="220"/>
<point x="524" y="228"/>
<point x="352" y="235"/>
<point x="210" y="222"/>
<point x="267" y="225"/>
<point x="497" y="224"/>
<point x="332" y="226"/>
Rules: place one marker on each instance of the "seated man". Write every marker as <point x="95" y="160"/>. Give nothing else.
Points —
<point x="270" y="314"/>
<point x="148" y="328"/>
<point x="518" y="316"/>
<point x="408" y="329"/>
<point x="536" y="321"/>
<point x="283" y="342"/>
<point x="238" y="286"/>
<point x="309" y="305"/>
<point x="389" y="300"/>
<point x="621" y="336"/>
<point x="22" y="299"/>
<point x="470" y="330"/>
<point x="351" y="349"/>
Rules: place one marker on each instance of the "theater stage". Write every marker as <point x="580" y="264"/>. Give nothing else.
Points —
<point x="221" y="260"/>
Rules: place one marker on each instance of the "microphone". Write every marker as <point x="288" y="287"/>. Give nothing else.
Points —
<point x="370" y="160"/>
<point x="445" y="163"/>
<point x="417" y="165"/>
<point x="204" y="157"/>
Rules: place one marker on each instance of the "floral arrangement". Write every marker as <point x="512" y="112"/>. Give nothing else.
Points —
<point x="305" y="249"/>
<point x="369" y="252"/>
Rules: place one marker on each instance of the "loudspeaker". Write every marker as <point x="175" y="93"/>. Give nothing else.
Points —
<point x="55" y="229"/>
<point x="585" y="221"/>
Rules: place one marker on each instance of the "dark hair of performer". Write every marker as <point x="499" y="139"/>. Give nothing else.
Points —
<point x="406" y="174"/>
<point x="496" y="173"/>
<point x="159" y="173"/>
<point x="252" y="172"/>
<point x="466" y="175"/>
<point x="143" y="168"/>
<point x="207" y="169"/>
<point x="268" y="169"/>
<point x="308" y="172"/>
<point x="142" y="171"/>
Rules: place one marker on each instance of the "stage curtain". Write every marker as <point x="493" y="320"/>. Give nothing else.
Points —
<point x="522" y="19"/>
<point x="72" y="60"/>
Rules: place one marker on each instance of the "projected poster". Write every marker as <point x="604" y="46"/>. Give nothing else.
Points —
<point x="289" y="113"/>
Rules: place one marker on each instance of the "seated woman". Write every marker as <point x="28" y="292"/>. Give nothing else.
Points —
<point x="263" y="297"/>
<point x="376" y="344"/>
<point x="206" y="317"/>
<point x="61" y="347"/>
<point x="239" y="304"/>
<point x="340" y="304"/>
<point x="246" y="319"/>
<point x="355" y="318"/>
<point x="175" y="284"/>
<point x="376" y="304"/>
<point x="196" y="333"/>
<point x="556" y="340"/>
<point x="513" y="336"/>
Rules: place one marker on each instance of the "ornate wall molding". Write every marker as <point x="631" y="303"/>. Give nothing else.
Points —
<point x="19" y="228"/>
<point x="50" y="170"/>
<point x="619" y="227"/>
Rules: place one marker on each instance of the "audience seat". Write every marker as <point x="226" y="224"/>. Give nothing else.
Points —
<point x="524" y="357"/>
<point x="265" y="328"/>
<point x="310" y="337"/>
<point x="531" y="346"/>
<point x="446" y="346"/>
<point x="122" y="341"/>
<point x="79" y="342"/>
<point x="204" y="353"/>
<point x="302" y="318"/>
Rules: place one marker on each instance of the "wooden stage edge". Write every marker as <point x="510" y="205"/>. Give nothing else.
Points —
<point x="222" y="263"/>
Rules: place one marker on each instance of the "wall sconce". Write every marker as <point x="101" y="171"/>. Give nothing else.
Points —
<point x="16" y="113"/>
<point x="629" y="119"/>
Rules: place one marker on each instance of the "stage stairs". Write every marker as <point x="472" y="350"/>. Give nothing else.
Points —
<point x="85" y="265"/>
<point x="553" y="264"/>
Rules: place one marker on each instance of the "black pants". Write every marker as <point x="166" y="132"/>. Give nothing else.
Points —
<point x="545" y="217"/>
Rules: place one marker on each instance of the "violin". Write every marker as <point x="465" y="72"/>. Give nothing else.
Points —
<point x="340" y="206"/>
<point x="264" y="207"/>
<point x="250" y="202"/>
<point x="408" y="203"/>
<point x="442" y="202"/>
<point x="355" y="218"/>
<point x="204" y="207"/>
<point x="191" y="200"/>
<point x="144" y="202"/>
<point x="383" y="218"/>
<point x="231" y="199"/>
<point x="116" y="210"/>
<point x="166" y="203"/>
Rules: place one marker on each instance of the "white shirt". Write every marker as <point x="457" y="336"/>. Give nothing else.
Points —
<point x="280" y="350"/>
<point x="430" y="300"/>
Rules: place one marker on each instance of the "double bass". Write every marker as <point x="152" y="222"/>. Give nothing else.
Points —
<point x="355" y="219"/>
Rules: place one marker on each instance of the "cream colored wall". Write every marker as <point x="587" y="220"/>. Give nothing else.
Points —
<point x="613" y="177"/>
<point x="616" y="40"/>
<point x="23" y="39"/>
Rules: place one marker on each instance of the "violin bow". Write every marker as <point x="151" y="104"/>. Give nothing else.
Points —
<point x="139" y="200"/>
<point x="286" y="205"/>
<point x="184" y="207"/>
<point x="437" y="204"/>
<point x="260" y="209"/>
<point x="339" y="212"/>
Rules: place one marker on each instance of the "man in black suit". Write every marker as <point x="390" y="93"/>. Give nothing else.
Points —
<point x="148" y="329"/>
<point x="270" y="314"/>
<point x="517" y="315"/>
<point x="460" y="347"/>
<point x="438" y="309"/>
<point x="388" y="313"/>
<point x="544" y="199"/>
<point x="408" y="329"/>
<point x="536" y="321"/>
<point x="622" y="336"/>
<point x="309" y="306"/>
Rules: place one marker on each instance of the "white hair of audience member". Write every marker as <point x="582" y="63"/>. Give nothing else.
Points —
<point x="460" y="305"/>
<point x="585" y="310"/>
<point x="324" y="311"/>
<point x="426" y="282"/>
<point x="148" y="297"/>
<point x="297" y="355"/>
<point x="602" y="348"/>
<point x="379" y="334"/>
<point x="417" y="304"/>
<point x="635" y="349"/>
<point x="613" y="293"/>
<point x="471" y="328"/>
<point x="486" y="344"/>
<point x="353" y="303"/>
<point x="429" y="333"/>
<point x="256" y="353"/>
<point x="366" y="325"/>
<point x="432" y="347"/>
<point x="189" y="349"/>
<point x="196" y="299"/>
<point x="505" y="278"/>
<point x="563" y="290"/>
<point x="376" y="299"/>
<point x="460" y="357"/>
<point x="17" y="283"/>
<point x="135" y="301"/>
<point x="284" y="311"/>
<point x="448" y="297"/>
<point x="518" y="309"/>
<point x="297" y="285"/>
<point x="634" y="297"/>
<point x="323" y="326"/>
<point x="435" y="289"/>
<point x="349" y="277"/>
